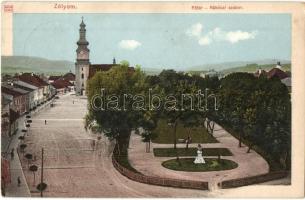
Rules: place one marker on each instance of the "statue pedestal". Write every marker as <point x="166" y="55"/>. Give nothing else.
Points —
<point x="199" y="159"/>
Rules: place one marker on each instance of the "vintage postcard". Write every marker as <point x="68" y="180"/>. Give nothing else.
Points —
<point x="152" y="99"/>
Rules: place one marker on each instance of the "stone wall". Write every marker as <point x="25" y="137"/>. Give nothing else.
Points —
<point x="158" y="180"/>
<point x="253" y="179"/>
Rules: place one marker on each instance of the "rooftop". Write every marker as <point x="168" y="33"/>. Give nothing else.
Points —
<point x="25" y="85"/>
<point x="15" y="92"/>
<point x="61" y="83"/>
<point x="32" y="79"/>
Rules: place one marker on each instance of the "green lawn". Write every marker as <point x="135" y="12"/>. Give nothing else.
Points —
<point x="165" y="134"/>
<point x="171" y="152"/>
<point x="187" y="164"/>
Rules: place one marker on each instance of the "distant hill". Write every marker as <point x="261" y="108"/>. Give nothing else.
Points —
<point x="229" y="65"/>
<point x="15" y="64"/>
<point x="251" y="68"/>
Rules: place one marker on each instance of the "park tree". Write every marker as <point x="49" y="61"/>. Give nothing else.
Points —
<point x="190" y="120"/>
<point x="209" y="87"/>
<point x="182" y="90"/>
<point x="259" y="110"/>
<point x="233" y="100"/>
<point x="33" y="168"/>
<point x="178" y="91"/>
<point x="114" y="115"/>
<point x="148" y="123"/>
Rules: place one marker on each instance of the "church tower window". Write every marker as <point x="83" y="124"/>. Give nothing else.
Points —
<point x="82" y="76"/>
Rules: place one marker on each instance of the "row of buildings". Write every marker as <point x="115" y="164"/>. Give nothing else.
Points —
<point x="23" y="93"/>
<point x="276" y="72"/>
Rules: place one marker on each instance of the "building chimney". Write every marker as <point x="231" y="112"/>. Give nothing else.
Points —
<point x="278" y="65"/>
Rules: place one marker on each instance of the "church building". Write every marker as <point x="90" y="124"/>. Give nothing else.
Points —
<point x="84" y="70"/>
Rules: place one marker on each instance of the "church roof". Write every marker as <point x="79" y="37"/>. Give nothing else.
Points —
<point x="93" y="68"/>
<point x="98" y="67"/>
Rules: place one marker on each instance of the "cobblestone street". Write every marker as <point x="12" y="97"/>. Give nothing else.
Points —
<point x="72" y="168"/>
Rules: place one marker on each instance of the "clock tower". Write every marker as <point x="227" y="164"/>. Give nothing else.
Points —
<point x="82" y="61"/>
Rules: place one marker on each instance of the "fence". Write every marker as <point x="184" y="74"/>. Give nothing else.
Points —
<point x="253" y="179"/>
<point x="158" y="180"/>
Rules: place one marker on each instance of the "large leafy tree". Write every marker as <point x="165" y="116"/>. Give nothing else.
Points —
<point x="259" y="110"/>
<point x="114" y="114"/>
<point x="176" y="107"/>
<point x="181" y="90"/>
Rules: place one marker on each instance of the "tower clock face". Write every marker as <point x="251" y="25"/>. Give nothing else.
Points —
<point x="82" y="55"/>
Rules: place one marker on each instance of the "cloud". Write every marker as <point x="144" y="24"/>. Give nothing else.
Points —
<point x="129" y="44"/>
<point x="195" y="30"/>
<point x="236" y="36"/>
<point x="218" y="35"/>
<point x="204" y="41"/>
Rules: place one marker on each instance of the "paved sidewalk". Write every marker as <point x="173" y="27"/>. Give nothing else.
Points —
<point x="249" y="164"/>
<point x="12" y="189"/>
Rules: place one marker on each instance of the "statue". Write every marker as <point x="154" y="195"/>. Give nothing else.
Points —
<point x="199" y="159"/>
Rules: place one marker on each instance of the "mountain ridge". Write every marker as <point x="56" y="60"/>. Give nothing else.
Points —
<point x="16" y="64"/>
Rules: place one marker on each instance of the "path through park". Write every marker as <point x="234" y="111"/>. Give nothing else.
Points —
<point x="249" y="164"/>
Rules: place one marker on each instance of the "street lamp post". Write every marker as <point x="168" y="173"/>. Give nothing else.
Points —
<point x="41" y="177"/>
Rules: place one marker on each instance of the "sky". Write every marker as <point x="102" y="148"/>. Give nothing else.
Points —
<point x="156" y="40"/>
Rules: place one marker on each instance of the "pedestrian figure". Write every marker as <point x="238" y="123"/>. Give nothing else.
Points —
<point x="12" y="153"/>
<point x="19" y="181"/>
<point x="45" y="122"/>
<point x="2" y="186"/>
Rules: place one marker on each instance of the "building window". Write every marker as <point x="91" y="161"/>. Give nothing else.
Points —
<point x="82" y="76"/>
<point x="82" y="69"/>
<point x="82" y="84"/>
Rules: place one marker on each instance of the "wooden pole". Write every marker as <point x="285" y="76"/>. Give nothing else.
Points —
<point x="41" y="181"/>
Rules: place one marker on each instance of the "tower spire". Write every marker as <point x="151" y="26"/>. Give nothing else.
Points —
<point x="82" y="42"/>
